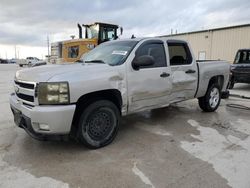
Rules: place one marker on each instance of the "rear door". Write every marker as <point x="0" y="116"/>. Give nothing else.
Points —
<point x="150" y="86"/>
<point x="184" y="71"/>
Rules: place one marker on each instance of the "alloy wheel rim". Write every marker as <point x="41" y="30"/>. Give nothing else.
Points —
<point x="214" y="97"/>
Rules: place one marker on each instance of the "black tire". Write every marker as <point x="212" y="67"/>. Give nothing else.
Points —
<point x="231" y="84"/>
<point x="20" y="65"/>
<point x="210" y="102"/>
<point x="98" y="124"/>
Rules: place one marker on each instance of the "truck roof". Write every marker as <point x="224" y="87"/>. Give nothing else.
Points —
<point x="142" y="38"/>
<point x="114" y="25"/>
<point x="244" y="49"/>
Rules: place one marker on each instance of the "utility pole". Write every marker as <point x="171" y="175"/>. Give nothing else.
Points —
<point x="15" y="52"/>
<point x="48" y="44"/>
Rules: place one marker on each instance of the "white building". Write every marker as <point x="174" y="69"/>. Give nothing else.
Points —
<point x="219" y="43"/>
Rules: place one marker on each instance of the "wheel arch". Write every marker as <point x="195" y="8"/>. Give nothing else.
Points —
<point x="205" y="83"/>
<point x="113" y="95"/>
<point x="219" y="79"/>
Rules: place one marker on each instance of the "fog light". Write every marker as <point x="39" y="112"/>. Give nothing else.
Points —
<point x="44" y="127"/>
<point x="35" y="125"/>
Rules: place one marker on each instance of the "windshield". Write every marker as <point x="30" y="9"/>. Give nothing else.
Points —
<point x="242" y="57"/>
<point x="112" y="53"/>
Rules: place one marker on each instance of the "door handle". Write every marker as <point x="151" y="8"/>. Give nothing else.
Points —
<point x="190" y="71"/>
<point x="164" y="75"/>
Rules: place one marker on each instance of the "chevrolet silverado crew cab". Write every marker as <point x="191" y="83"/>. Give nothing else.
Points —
<point x="86" y="100"/>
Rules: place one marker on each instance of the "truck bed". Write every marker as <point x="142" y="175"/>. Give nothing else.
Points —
<point x="208" y="69"/>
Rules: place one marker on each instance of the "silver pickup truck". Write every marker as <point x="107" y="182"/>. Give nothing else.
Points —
<point x="85" y="100"/>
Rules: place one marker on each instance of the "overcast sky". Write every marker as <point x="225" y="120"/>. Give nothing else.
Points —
<point x="26" y="23"/>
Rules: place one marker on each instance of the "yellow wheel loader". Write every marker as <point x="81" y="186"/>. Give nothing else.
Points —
<point x="94" y="34"/>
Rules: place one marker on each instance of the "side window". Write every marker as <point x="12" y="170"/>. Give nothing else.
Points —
<point x="243" y="57"/>
<point x="73" y="51"/>
<point x="179" y="54"/>
<point x="155" y="50"/>
<point x="111" y="33"/>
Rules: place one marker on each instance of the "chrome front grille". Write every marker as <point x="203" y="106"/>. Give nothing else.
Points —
<point x="25" y="97"/>
<point x="25" y="91"/>
<point x="25" y="85"/>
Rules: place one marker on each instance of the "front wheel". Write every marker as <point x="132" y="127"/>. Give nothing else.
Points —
<point x="98" y="124"/>
<point x="211" y="101"/>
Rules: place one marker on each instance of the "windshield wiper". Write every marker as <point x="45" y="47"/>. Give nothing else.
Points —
<point x="94" y="61"/>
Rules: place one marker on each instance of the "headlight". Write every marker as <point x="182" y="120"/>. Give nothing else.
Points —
<point x="53" y="93"/>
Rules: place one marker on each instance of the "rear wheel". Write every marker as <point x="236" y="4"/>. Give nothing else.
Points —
<point x="98" y="124"/>
<point x="211" y="101"/>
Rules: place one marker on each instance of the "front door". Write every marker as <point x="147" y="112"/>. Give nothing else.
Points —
<point x="150" y="86"/>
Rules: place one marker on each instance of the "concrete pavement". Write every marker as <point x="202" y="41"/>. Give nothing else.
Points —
<point x="178" y="146"/>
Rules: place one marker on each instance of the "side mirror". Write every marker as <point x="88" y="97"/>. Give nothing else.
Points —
<point x="143" y="61"/>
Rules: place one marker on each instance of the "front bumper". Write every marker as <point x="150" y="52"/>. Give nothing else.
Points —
<point x="242" y="78"/>
<point x="57" y="118"/>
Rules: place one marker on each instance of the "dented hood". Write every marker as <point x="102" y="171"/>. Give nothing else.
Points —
<point x="47" y="72"/>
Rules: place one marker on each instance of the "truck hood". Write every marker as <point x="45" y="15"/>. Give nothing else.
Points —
<point x="241" y="65"/>
<point x="241" y="68"/>
<point x="46" y="72"/>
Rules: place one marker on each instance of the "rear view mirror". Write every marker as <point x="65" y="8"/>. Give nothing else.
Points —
<point x="143" y="61"/>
